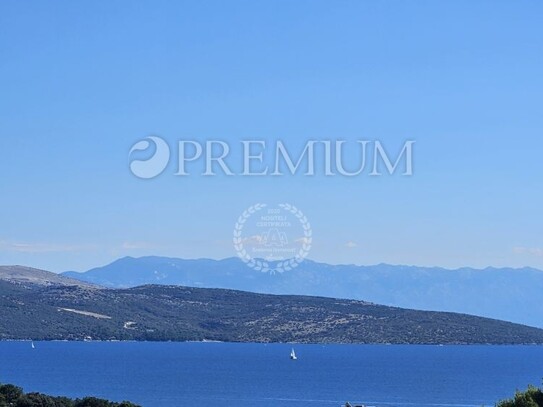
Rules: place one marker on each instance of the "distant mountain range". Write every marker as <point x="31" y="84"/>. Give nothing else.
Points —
<point x="31" y="309"/>
<point x="504" y="293"/>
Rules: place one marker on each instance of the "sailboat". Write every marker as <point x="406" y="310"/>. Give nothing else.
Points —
<point x="293" y="355"/>
<point x="33" y="346"/>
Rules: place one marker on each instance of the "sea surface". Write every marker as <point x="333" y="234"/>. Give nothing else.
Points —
<point x="239" y="375"/>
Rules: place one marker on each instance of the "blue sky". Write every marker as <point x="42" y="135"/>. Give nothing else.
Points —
<point x="81" y="82"/>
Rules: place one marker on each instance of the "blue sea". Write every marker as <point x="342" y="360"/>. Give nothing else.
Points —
<point x="239" y="375"/>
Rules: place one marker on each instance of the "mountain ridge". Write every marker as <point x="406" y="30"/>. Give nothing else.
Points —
<point x="501" y="293"/>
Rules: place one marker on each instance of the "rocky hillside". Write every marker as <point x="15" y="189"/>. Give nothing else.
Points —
<point x="46" y="312"/>
<point x="26" y="276"/>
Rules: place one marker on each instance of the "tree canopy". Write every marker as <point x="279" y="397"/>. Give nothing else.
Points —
<point x="533" y="397"/>
<point x="13" y="396"/>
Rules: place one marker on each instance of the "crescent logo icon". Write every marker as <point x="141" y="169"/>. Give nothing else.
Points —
<point x="156" y="163"/>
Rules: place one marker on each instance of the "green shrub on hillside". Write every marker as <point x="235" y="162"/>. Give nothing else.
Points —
<point x="13" y="396"/>
<point x="533" y="397"/>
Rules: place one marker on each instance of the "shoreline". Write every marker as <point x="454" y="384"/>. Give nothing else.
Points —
<point x="280" y="343"/>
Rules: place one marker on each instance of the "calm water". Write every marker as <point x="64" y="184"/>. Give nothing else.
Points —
<point x="188" y="374"/>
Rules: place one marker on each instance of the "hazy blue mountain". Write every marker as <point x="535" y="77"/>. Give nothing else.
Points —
<point x="505" y="293"/>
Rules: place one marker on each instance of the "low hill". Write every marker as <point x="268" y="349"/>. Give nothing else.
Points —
<point x="161" y="313"/>
<point x="31" y="276"/>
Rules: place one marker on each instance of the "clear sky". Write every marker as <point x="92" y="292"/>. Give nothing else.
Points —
<point x="81" y="82"/>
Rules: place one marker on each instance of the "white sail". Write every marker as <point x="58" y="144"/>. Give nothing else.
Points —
<point x="33" y="347"/>
<point x="293" y="354"/>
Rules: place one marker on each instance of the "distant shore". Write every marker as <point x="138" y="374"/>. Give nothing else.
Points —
<point x="29" y="341"/>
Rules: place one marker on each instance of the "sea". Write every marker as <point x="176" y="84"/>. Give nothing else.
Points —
<point x="170" y="374"/>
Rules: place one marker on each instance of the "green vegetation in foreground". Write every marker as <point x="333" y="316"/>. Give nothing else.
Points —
<point x="13" y="396"/>
<point x="533" y="397"/>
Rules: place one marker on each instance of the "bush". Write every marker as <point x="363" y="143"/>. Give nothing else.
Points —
<point x="10" y="393"/>
<point x="13" y="396"/>
<point x="533" y="397"/>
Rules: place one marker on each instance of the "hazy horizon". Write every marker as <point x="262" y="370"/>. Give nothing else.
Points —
<point x="309" y="260"/>
<point x="85" y="84"/>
